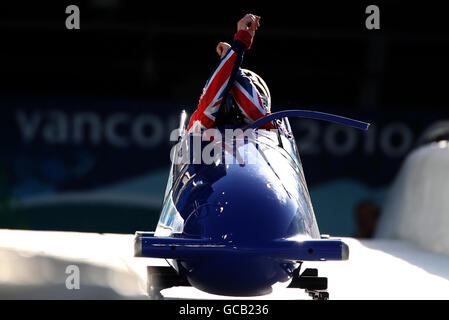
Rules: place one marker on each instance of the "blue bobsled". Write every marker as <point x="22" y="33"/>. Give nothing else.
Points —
<point x="238" y="228"/>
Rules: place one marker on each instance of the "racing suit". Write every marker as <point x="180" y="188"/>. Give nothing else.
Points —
<point x="228" y="78"/>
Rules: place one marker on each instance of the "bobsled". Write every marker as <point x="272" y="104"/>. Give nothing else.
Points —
<point x="242" y="224"/>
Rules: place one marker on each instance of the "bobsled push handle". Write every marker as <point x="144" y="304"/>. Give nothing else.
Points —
<point x="310" y="115"/>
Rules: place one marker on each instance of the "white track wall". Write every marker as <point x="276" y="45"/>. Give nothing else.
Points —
<point x="417" y="207"/>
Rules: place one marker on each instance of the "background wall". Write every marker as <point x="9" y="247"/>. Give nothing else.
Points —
<point x="85" y="115"/>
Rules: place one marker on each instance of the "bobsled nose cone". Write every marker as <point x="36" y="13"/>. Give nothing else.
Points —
<point x="344" y="251"/>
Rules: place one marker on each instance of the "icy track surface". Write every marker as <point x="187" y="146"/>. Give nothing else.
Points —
<point x="34" y="264"/>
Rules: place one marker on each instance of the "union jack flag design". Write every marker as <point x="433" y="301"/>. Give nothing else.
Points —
<point x="228" y="77"/>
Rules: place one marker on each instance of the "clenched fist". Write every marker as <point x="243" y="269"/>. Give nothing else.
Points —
<point x="222" y="48"/>
<point x="250" y="23"/>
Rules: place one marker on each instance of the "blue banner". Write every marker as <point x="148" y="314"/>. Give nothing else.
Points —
<point x="101" y="166"/>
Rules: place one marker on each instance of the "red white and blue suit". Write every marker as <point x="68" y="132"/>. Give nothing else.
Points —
<point x="228" y="78"/>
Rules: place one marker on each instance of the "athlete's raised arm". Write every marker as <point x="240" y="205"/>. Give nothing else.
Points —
<point x="224" y="74"/>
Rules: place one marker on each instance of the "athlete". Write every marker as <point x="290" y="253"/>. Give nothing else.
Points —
<point x="230" y="85"/>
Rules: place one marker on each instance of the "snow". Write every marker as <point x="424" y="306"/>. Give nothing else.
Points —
<point x="34" y="262"/>
<point x="417" y="207"/>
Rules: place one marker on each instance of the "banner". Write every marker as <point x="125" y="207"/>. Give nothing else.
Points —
<point x="101" y="165"/>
